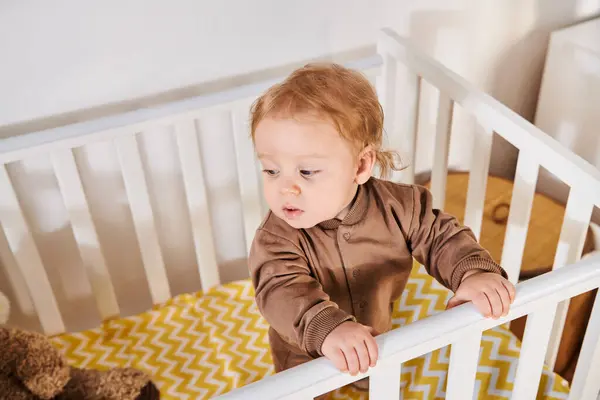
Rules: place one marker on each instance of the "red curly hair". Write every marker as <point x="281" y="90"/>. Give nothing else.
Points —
<point x="343" y="96"/>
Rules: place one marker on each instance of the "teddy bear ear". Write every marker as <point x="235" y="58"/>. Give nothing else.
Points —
<point x="123" y="383"/>
<point x="41" y="367"/>
<point x="4" y="309"/>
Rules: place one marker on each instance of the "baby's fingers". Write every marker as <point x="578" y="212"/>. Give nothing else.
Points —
<point x="351" y="360"/>
<point x="363" y="357"/>
<point x="510" y="289"/>
<point x="482" y="303"/>
<point x="339" y="360"/>
<point x="495" y="302"/>
<point x="373" y="350"/>
<point x="505" y="298"/>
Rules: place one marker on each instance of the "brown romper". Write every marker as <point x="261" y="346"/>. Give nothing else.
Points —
<point x="308" y="281"/>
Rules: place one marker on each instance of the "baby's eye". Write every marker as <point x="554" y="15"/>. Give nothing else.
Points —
<point x="307" y="173"/>
<point x="270" y="172"/>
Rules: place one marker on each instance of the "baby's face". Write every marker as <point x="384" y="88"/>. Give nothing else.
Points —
<point x="309" y="170"/>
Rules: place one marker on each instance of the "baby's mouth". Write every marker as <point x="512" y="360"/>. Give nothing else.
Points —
<point x="292" y="212"/>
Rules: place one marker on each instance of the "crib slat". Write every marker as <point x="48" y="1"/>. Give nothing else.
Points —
<point x="578" y="214"/>
<point x="387" y="92"/>
<point x="20" y="291"/>
<point x="464" y="356"/>
<point x="248" y="180"/>
<point x="384" y="382"/>
<point x="518" y="217"/>
<point x="409" y="142"/>
<point x="586" y="380"/>
<point x="406" y="142"/>
<point x="480" y="164"/>
<point x="193" y="179"/>
<point x="143" y="217"/>
<point x="387" y="98"/>
<point x="439" y="172"/>
<point x="533" y="349"/>
<point x="27" y="257"/>
<point x="84" y="231"/>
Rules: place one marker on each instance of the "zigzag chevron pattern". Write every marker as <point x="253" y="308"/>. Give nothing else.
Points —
<point x="197" y="346"/>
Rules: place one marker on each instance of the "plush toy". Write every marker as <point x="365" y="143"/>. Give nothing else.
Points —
<point x="31" y="368"/>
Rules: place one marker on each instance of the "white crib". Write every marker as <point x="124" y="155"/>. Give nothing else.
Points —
<point x="399" y="70"/>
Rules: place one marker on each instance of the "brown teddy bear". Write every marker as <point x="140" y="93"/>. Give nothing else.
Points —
<point x="31" y="368"/>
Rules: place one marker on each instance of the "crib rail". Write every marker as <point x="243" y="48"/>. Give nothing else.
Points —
<point x="491" y="115"/>
<point x="536" y="150"/>
<point x="122" y="132"/>
<point x="460" y="327"/>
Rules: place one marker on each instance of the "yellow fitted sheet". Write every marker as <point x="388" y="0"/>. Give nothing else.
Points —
<point x="197" y="346"/>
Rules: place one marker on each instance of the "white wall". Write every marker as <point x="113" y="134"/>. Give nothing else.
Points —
<point x="69" y="60"/>
<point x="68" y="56"/>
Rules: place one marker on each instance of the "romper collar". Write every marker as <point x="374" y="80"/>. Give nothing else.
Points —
<point x="356" y="213"/>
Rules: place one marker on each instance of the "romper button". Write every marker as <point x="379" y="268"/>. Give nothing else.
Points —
<point x="362" y="304"/>
<point x="355" y="273"/>
<point x="346" y="236"/>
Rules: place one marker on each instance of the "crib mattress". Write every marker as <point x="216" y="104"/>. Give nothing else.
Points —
<point x="197" y="346"/>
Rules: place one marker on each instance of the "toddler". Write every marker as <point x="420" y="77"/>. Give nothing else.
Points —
<point x="337" y="246"/>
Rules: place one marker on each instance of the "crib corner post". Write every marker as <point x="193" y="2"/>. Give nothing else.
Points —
<point x="400" y="120"/>
<point x="586" y="380"/>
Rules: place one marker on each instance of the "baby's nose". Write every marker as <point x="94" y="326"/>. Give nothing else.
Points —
<point x="290" y="189"/>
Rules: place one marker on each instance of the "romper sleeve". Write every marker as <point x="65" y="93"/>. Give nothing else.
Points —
<point x="442" y="245"/>
<point x="290" y="299"/>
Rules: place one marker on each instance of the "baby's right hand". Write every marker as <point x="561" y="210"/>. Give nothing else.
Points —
<point x="351" y="347"/>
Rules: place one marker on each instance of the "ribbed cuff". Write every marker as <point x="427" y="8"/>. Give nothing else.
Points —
<point x="471" y="263"/>
<point x="320" y="326"/>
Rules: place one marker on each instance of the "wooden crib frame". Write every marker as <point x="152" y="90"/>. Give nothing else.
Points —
<point x="544" y="299"/>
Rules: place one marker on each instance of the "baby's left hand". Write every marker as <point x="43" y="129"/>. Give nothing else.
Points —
<point x="491" y="293"/>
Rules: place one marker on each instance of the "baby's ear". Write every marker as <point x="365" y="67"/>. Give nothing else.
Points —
<point x="366" y="161"/>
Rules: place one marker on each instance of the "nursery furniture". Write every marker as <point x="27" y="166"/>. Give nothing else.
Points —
<point x="540" y="248"/>
<point x="211" y="343"/>
<point x="567" y="107"/>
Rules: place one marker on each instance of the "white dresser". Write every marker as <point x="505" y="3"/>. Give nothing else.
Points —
<point x="569" y="102"/>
